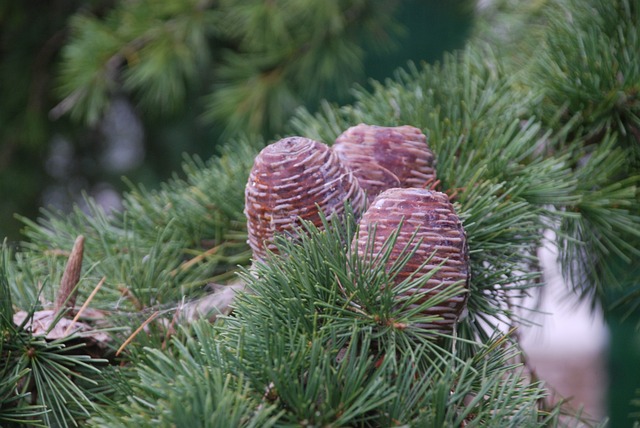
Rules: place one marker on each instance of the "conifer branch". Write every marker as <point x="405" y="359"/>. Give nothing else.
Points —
<point x="316" y="335"/>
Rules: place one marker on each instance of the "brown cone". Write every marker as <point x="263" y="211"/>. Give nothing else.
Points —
<point x="439" y="232"/>
<point x="386" y="157"/>
<point x="292" y="179"/>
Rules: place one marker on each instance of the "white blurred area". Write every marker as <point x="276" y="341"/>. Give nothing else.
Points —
<point x="567" y="347"/>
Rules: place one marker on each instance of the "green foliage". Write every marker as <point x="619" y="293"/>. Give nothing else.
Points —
<point x="6" y="301"/>
<point x="479" y="127"/>
<point x="44" y="382"/>
<point x="15" y="408"/>
<point x="303" y="349"/>
<point x="160" y="59"/>
<point x="30" y="38"/>
<point x="514" y="28"/>
<point x="486" y="153"/>
<point x="606" y="227"/>
<point x="587" y="73"/>
<point x="195" y="392"/>
<point x="265" y="58"/>
<point x="187" y="72"/>
<point x="144" y="252"/>
<point x="589" y="68"/>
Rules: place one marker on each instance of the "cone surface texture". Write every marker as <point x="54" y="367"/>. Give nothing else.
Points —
<point x="386" y="157"/>
<point x="430" y="226"/>
<point x="291" y="180"/>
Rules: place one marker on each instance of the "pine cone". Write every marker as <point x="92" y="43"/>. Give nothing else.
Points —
<point x="439" y="232"/>
<point x="292" y="179"/>
<point x="386" y="157"/>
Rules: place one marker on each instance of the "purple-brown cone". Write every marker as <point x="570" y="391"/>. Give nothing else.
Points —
<point x="439" y="235"/>
<point x="386" y="157"/>
<point x="295" y="178"/>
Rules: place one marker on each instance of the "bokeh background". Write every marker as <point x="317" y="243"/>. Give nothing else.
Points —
<point x="50" y="159"/>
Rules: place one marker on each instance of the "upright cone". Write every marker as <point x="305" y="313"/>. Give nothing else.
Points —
<point x="386" y="157"/>
<point x="291" y="180"/>
<point x="438" y="234"/>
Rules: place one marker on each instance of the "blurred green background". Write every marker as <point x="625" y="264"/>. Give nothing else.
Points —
<point x="48" y="159"/>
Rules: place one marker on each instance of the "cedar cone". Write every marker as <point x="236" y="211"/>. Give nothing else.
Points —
<point x="386" y="157"/>
<point x="439" y="235"/>
<point x="295" y="178"/>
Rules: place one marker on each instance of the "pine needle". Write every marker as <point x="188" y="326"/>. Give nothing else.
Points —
<point x="135" y="333"/>
<point x="186" y="265"/>
<point x="85" y="304"/>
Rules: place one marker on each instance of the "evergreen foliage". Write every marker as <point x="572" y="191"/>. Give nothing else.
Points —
<point x="196" y="224"/>
<point x="256" y="59"/>
<point x="588" y="68"/>
<point x="318" y="339"/>
<point x="580" y="59"/>
<point x="315" y="344"/>
<point x="180" y="71"/>
<point x="588" y="75"/>
<point x="47" y="383"/>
